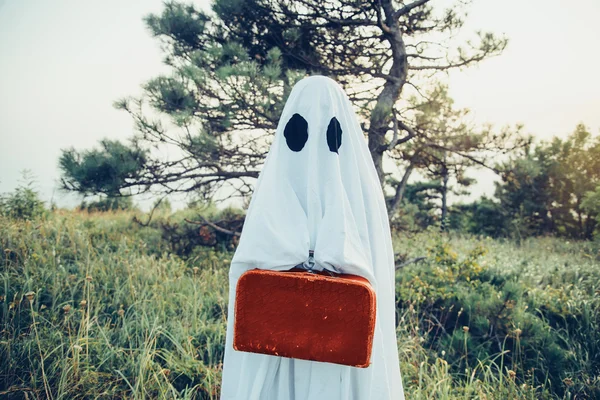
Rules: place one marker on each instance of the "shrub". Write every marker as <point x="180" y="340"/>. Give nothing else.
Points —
<point x="108" y="204"/>
<point x="472" y="313"/>
<point x="24" y="202"/>
<point x="189" y="230"/>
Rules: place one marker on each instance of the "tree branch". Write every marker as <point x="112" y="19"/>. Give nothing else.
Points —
<point x="414" y="260"/>
<point x="214" y="226"/>
<point x="401" y="188"/>
<point x="406" y="9"/>
<point x="396" y="140"/>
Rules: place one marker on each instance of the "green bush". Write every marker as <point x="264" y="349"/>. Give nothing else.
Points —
<point x="104" y="204"/>
<point x="88" y="309"/>
<point x="95" y="305"/>
<point x="24" y="202"/>
<point x="189" y="231"/>
<point x="548" y="335"/>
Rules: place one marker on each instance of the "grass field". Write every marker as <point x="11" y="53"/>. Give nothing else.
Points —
<point x="97" y="306"/>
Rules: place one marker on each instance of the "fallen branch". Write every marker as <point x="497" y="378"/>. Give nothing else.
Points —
<point x="214" y="226"/>
<point x="414" y="260"/>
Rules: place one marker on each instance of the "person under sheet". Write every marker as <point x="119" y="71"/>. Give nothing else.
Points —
<point x="318" y="190"/>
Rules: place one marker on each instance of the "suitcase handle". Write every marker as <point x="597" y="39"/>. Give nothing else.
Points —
<point x="310" y="264"/>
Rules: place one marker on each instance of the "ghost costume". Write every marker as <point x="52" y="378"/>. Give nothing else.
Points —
<point x="318" y="190"/>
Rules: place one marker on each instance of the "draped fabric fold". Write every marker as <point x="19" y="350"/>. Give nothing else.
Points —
<point x="318" y="190"/>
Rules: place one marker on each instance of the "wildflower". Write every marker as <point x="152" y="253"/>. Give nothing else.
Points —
<point x="518" y="332"/>
<point x="512" y="374"/>
<point x="465" y="329"/>
<point x="443" y="353"/>
<point x="121" y="312"/>
<point x="88" y="278"/>
<point x="83" y="303"/>
<point x="568" y="381"/>
<point x="66" y="308"/>
<point x="165" y="371"/>
<point x="30" y="296"/>
<point x="195" y="269"/>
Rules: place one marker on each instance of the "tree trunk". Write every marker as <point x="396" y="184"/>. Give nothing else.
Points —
<point x="444" y="196"/>
<point x="400" y="189"/>
<point x="380" y="117"/>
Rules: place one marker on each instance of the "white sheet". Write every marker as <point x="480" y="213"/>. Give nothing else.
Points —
<point x="331" y="202"/>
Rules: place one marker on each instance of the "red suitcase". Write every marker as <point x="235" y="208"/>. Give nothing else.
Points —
<point x="319" y="316"/>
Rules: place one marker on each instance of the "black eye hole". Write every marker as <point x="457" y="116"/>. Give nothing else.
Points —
<point x="296" y="132"/>
<point x="334" y="135"/>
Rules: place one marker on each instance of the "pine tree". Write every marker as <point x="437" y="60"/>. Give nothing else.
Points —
<point x="233" y="67"/>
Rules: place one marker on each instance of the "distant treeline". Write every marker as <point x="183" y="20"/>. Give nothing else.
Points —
<point x="551" y="188"/>
<point x="205" y="127"/>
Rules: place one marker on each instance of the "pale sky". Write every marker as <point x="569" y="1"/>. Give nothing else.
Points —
<point x="64" y="62"/>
